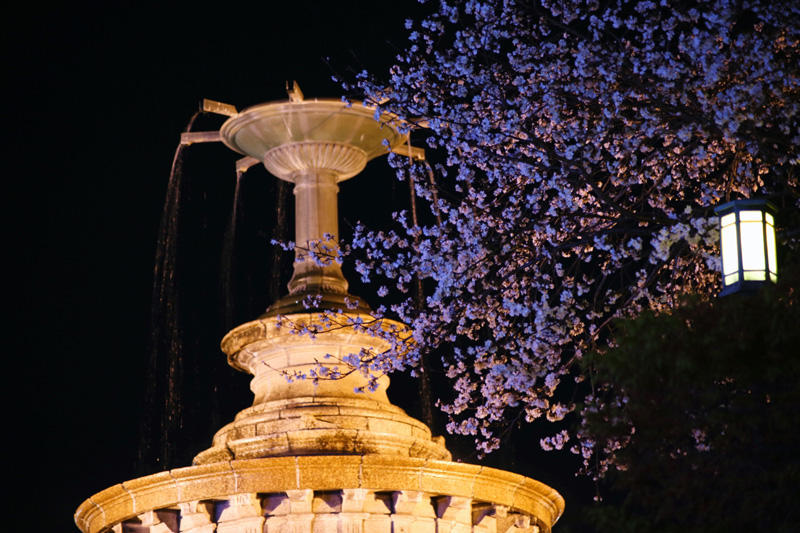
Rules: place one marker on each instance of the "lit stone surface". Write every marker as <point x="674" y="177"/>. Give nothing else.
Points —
<point x="405" y="493"/>
<point x="305" y="418"/>
<point x="319" y="457"/>
<point x="314" y="144"/>
<point x="290" y="136"/>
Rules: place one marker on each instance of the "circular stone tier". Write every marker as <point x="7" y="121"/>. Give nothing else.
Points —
<point x="309" y="426"/>
<point x="278" y="350"/>
<point x="370" y="493"/>
<point x="295" y="137"/>
<point x="295" y="414"/>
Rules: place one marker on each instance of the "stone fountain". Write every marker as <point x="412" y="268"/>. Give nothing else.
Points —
<point x="328" y="455"/>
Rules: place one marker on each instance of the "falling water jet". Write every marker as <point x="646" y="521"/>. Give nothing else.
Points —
<point x="227" y="275"/>
<point x="165" y="408"/>
<point x="280" y="233"/>
<point x="165" y="345"/>
<point x="231" y="285"/>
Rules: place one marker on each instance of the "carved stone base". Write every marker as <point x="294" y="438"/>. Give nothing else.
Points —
<point x="325" y="494"/>
<point x="308" y="426"/>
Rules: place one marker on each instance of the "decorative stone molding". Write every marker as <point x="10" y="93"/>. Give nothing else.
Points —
<point x="448" y="496"/>
<point x="307" y="426"/>
<point x="290" y="160"/>
<point x="239" y="513"/>
<point x="196" y="517"/>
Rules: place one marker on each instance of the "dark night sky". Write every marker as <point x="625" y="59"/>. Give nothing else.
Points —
<point x="97" y="97"/>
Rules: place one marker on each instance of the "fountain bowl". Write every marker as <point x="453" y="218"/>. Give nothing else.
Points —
<point x="292" y="137"/>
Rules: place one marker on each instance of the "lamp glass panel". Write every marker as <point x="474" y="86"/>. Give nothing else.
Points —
<point x="754" y="275"/>
<point x="751" y="216"/>
<point x="728" y="219"/>
<point x="771" y="254"/>
<point x="752" y="231"/>
<point x="731" y="278"/>
<point x="730" y="254"/>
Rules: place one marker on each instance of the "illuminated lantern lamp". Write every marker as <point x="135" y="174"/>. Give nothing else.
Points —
<point x="747" y="233"/>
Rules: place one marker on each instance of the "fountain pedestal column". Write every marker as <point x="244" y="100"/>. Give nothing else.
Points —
<point x="315" y="167"/>
<point x="316" y="269"/>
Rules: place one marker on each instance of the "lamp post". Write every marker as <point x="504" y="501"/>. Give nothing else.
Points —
<point x="747" y="243"/>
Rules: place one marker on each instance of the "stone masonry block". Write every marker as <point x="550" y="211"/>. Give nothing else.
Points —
<point x="441" y="477"/>
<point x="204" y="481"/>
<point x="299" y="523"/>
<point x="196" y="515"/>
<point x="325" y="523"/>
<point x="275" y="504"/>
<point x="238" y="506"/>
<point x="378" y="524"/>
<point x="254" y="524"/>
<point x="327" y="501"/>
<point x="455" y="508"/>
<point x="386" y="473"/>
<point x="354" y="500"/>
<point x="300" y="501"/>
<point x="276" y="524"/>
<point x="272" y="475"/>
<point x="329" y="472"/>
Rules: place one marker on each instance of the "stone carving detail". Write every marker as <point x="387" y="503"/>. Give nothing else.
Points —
<point x="327" y="502"/>
<point x="288" y="160"/>
<point x="241" y="513"/>
<point x="454" y="514"/>
<point x="197" y="517"/>
<point x="157" y="521"/>
<point x="413" y="513"/>
<point x="336" y="511"/>
<point x="488" y="518"/>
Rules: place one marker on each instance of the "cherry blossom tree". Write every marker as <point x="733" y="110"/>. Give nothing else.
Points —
<point x="578" y="150"/>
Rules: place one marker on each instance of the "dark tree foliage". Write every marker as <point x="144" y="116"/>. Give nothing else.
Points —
<point x="705" y="402"/>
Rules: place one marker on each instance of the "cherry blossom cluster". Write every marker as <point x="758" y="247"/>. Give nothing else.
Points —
<point x="578" y="150"/>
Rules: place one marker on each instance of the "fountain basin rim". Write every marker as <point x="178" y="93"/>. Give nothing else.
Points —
<point x="219" y="481"/>
<point x="270" y="110"/>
